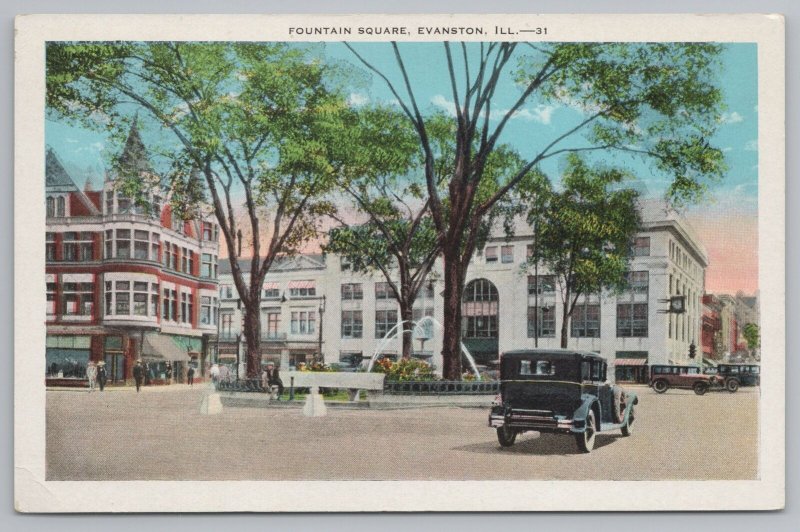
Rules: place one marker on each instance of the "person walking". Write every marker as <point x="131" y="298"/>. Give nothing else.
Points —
<point x="190" y="375"/>
<point x="168" y="373"/>
<point x="138" y="374"/>
<point x="214" y="371"/>
<point x="91" y="374"/>
<point x="102" y="376"/>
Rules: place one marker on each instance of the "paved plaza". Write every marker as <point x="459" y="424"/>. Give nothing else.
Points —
<point x="122" y="435"/>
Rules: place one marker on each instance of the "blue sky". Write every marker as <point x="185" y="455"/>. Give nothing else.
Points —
<point x="85" y="152"/>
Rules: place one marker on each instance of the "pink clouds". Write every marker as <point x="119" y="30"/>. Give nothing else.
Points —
<point x="731" y="240"/>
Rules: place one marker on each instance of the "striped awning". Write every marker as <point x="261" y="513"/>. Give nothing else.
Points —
<point x="630" y="362"/>
<point x="301" y="284"/>
<point x="271" y="286"/>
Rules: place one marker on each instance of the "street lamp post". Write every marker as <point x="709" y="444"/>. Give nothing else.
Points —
<point x="319" y="341"/>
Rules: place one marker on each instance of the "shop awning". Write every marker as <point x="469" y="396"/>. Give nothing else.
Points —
<point x="161" y="348"/>
<point x="709" y="363"/>
<point x="630" y="362"/>
<point x="271" y="286"/>
<point x="301" y="284"/>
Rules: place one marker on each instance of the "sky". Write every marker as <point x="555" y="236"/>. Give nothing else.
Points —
<point x="726" y="220"/>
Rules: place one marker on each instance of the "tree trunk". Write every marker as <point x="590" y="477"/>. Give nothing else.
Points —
<point x="564" y="324"/>
<point x="451" y="344"/>
<point x="407" y="329"/>
<point x="252" y="337"/>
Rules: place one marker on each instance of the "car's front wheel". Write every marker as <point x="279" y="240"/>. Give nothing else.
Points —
<point x="627" y="428"/>
<point x="700" y="388"/>
<point x="732" y="385"/>
<point x="506" y="436"/>
<point x="585" y="439"/>
<point x="660" y="386"/>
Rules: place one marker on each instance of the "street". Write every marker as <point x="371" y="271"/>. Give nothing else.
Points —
<point x="162" y="436"/>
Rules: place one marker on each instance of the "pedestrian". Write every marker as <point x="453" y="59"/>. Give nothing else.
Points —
<point x="138" y="374"/>
<point x="91" y="374"/>
<point x="190" y="375"/>
<point x="168" y="373"/>
<point x="214" y="371"/>
<point x="273" y="378"/>
<point x="102" y="376"/>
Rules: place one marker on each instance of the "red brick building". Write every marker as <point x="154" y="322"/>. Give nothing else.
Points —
<point x="125" y="279"/>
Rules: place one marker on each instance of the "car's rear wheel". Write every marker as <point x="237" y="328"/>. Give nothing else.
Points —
<point x="660" y="386"/>
<point x="627" y="428"/>
<point x="506" y="436"/>
<point x="700" y="388"/>
<point x="732" y="385"/>
<point x="585" y="439"/>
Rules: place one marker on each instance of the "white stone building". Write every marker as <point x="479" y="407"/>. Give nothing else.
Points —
<point x="501" y="295"/>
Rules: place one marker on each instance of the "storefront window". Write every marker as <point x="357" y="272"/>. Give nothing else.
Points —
<point x="66" y="357"/>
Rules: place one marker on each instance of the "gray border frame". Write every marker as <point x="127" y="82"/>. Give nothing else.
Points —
<point x="710" y="521"/>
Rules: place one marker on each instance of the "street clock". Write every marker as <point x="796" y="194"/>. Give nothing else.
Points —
<point x="677" y="304"/>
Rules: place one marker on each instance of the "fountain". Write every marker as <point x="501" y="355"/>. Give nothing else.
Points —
<point x="391" y="334"/>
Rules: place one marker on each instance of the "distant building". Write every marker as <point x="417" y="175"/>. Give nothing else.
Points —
<point x="500" y="306"/>
<point x="125" y="279"/>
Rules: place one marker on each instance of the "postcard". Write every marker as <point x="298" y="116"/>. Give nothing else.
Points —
<point x="399" y="263"/>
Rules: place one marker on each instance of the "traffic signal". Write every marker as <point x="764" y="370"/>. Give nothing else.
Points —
<point x="692" y="350"/>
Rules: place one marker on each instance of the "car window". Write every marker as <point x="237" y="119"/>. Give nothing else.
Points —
<point x="694" y="371"/>
<point x="537" y="367"/>
<point x="586" y="370"/>
<point x="755" y="370"/>
<point x="597" y="368"/>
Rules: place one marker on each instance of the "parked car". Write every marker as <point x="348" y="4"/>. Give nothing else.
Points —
<point x="664" y="376"/>
<point x="735" y="375"/>
<point x="561" y="392"/>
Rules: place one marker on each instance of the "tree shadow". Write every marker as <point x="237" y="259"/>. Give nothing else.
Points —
<point x="543" y="444"/>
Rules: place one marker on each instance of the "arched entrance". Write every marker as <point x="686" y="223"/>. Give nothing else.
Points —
<point x="480" y="320"/>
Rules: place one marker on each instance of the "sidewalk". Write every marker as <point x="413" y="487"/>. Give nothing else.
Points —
<point x="131" y="388"/>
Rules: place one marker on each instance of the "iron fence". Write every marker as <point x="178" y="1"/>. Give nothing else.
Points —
<point x="442" y="387"/>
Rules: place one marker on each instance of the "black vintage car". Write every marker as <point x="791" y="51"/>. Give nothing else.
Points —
<point x="736" y="375"/>
<point x="559" y="391"/>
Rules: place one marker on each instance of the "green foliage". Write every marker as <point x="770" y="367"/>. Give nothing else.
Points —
<point x="410" y="369"/>
<point x="585" y="230"/>
<point x="752" y="335"/>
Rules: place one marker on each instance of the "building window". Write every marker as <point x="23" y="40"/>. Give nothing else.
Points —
<point x="169" y="307"/>
<point x="50" y="246"/>
<point x="71" y="246"/>
<point x="185" y="260"/>
<point x="86" y="247"/>
<point x="78" y="299"/>
<point x="384" y="321"/>
<point x="122" y="297"/>
<point x="154" y="247"/>
<point x="155" y="213"/>
<point x="546" y="284"/>
<point x="273" y="323"/>
<point x="302" y="289"/>
<point x="226" y="325"/>
<point x="507" y="254"/>
<point x="345" y="265"/>
<point x="207" y="232"/>
<point x="631" y="320"/>
<point x="141" y="245"/>
<point x="51" y="207"/>
<point x="123" y="203"/>
<point x="205" y="310"/>
<point x="206" y="265"/>
<point x="641" y="246"/>
<point x="271" y="291"/>
<point x="190" y="271"/>
<point x="109" y="202"/>
<point x="60" y="210"/>
<point x="184" y="307"/>
<point x="490" y="253"/>
<point x="585" y="321"/>
<point x="154" y="299"/>
<point x="303" y="322"/>
<point x="352" y="324"/>
<point x="226" y="291"/>
<point x="51" y="299"/>
<point x="383" y="291"/>
<point x="529" y="251"/>
<point x="123" y="243"/>
<point x="638" y="282"/>
<point x="352" y="291"/>
<point x="546" y="316"/>
<point x="140" y="296"/>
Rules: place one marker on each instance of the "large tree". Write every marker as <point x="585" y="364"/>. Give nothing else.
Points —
<point x="656" y="100"/>
<point x="255" y="126"/>
<point x="586" y="240"/>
